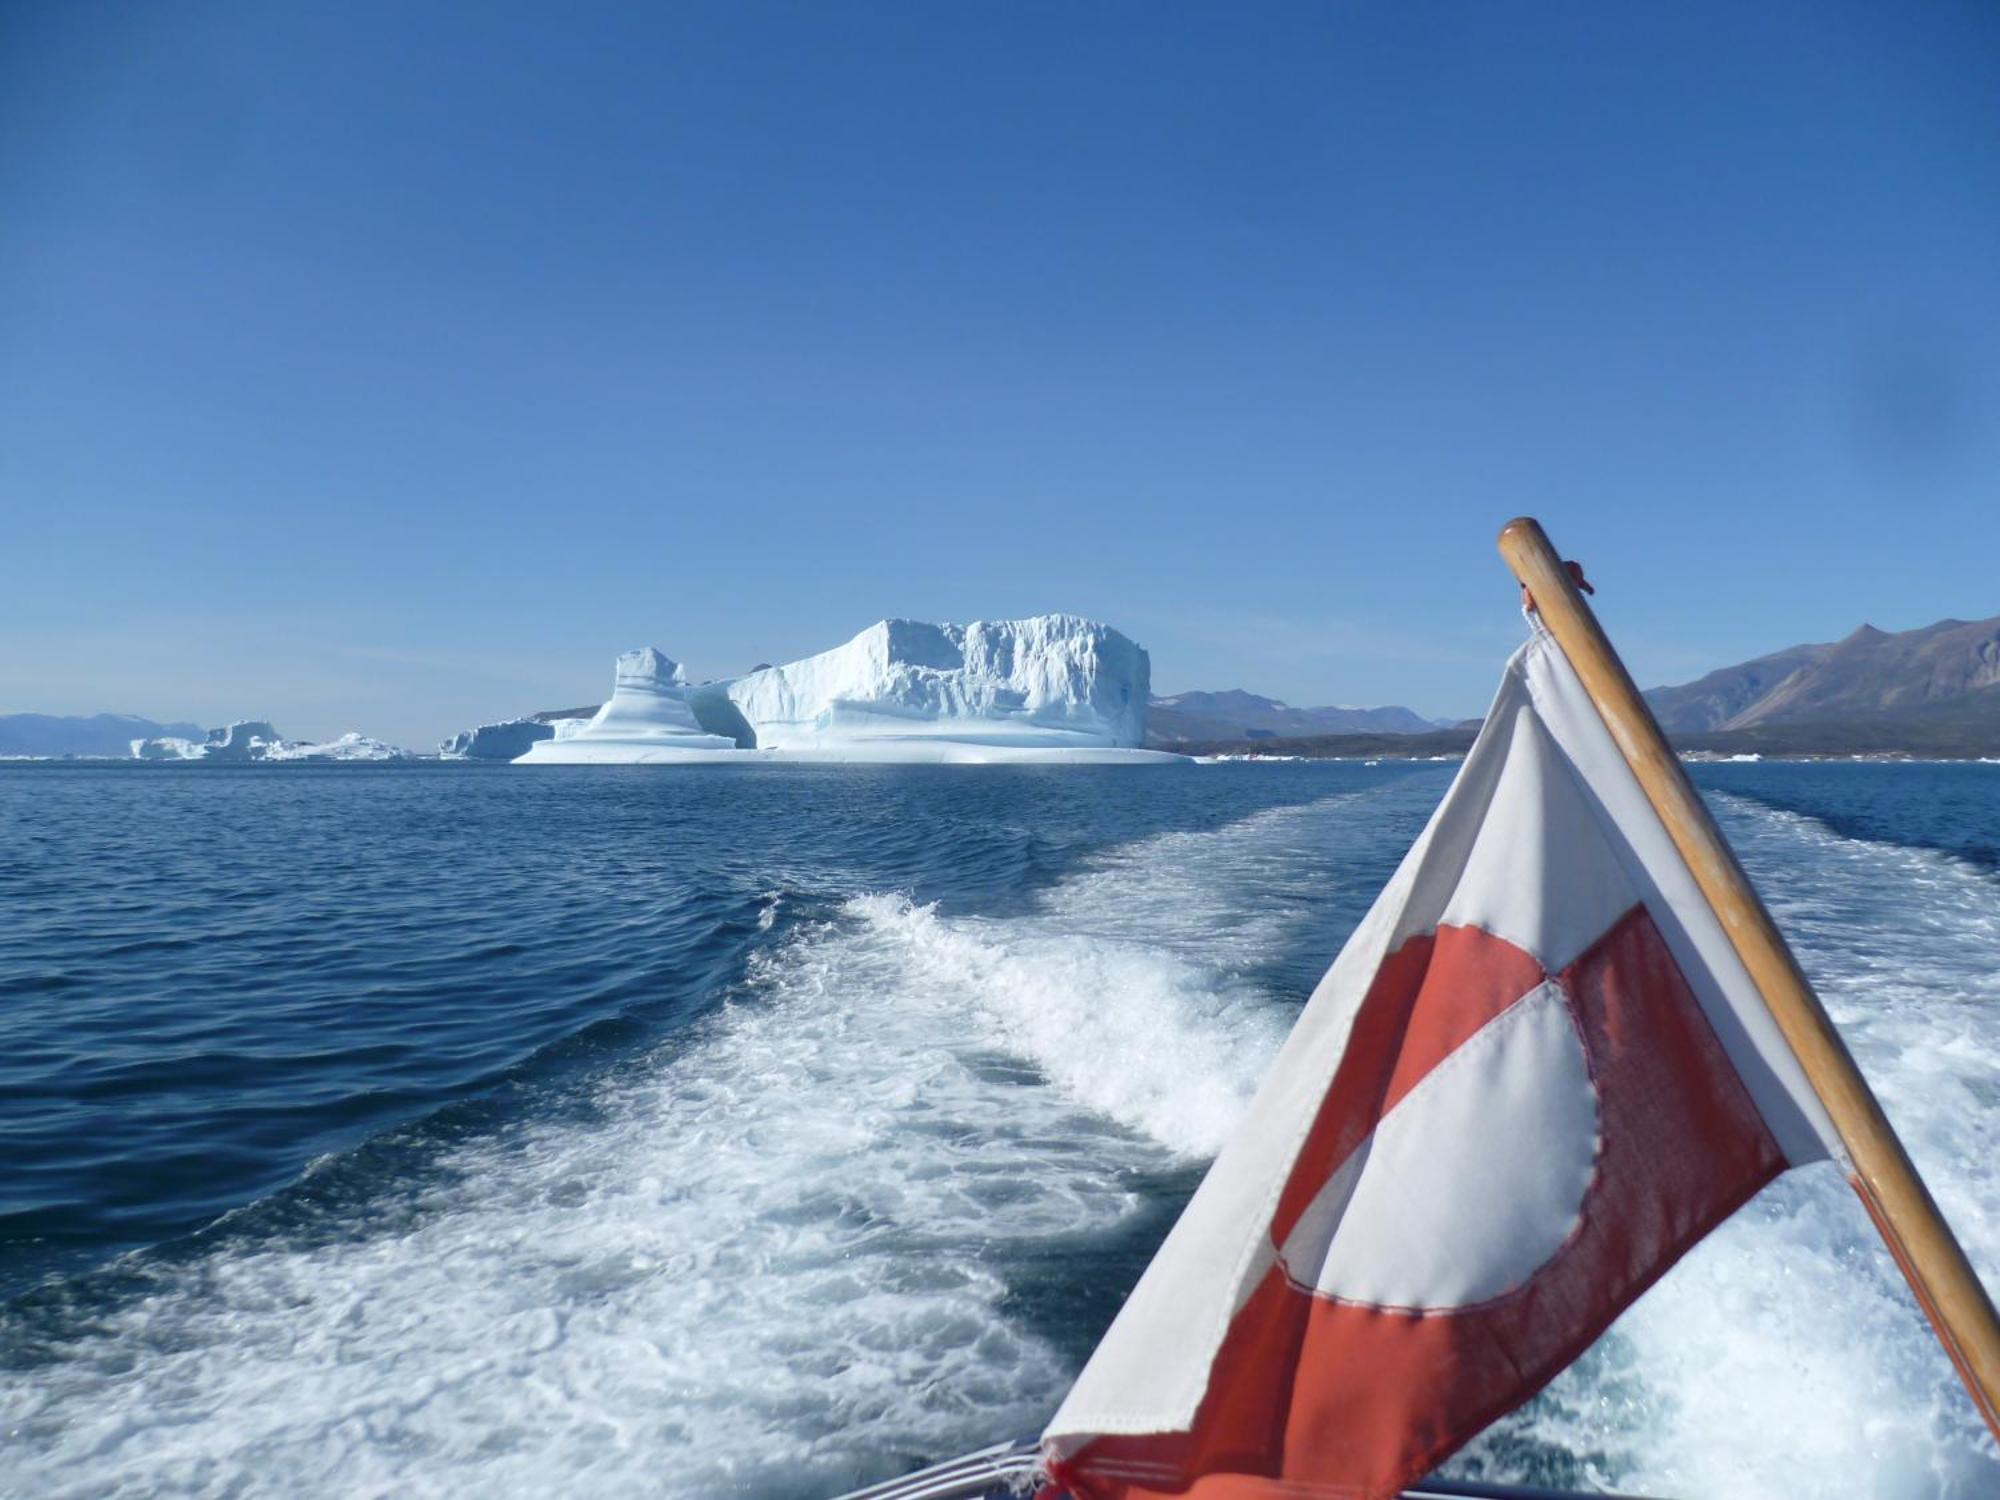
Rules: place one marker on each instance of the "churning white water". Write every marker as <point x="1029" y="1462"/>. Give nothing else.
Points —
<point x="764" y="1263"/>
<point x="783" y="1255"/>
<point x="1784" y="1356"/>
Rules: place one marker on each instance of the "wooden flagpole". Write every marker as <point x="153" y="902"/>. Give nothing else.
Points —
<point x="1922" y="1243"/>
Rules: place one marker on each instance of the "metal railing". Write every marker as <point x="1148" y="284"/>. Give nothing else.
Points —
<point x="1014" y="1469"/>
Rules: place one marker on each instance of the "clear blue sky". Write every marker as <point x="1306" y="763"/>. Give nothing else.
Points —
<point x="390" y="366"/>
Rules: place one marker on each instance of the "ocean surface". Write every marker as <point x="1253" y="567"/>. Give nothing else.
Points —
<point x="763" y="1131"/>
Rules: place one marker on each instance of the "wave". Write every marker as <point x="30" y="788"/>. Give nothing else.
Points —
<point x="789" y="1251"/>
<point x="873" y="1208"/>
<point x="1949" y="810"/>
<point x="1785" y="1356"/>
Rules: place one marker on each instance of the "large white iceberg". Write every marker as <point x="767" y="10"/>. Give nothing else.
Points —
<point x="1054" y="687"/>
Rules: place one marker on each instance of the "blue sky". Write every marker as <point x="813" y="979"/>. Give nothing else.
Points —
<point x="392" y="367"/>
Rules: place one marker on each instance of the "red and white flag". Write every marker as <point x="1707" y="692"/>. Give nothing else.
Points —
<point x="1533" y="1079"/>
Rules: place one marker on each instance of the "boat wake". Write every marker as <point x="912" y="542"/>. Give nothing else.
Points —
<point x="1785" y="1355"/>
<point x="872" y="1210"/>
<point x="791" y="1251"/>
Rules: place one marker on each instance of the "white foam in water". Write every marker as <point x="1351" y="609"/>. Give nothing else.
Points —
<point x="1784" y="1357"/>
<point x="766" y="1265"/>
<point x="770" y="1263"/>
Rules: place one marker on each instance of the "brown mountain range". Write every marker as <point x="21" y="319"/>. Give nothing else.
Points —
<point x="1947" y="673"/>
<point x="1933" y="692"/>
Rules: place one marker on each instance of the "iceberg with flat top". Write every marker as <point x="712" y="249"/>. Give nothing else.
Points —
<point x="1054" y="687"/>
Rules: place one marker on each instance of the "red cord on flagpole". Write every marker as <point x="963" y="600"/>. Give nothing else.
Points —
<point x="1575" y="576"/>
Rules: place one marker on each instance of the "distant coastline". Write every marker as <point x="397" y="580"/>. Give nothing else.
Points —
<point x="1058" y="685"/>
<point x="1767" y="742"/>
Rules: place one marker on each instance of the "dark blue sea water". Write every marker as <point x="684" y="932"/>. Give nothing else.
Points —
<point x="759" y="1131"/>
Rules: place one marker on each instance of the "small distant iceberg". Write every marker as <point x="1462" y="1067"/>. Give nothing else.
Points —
<point x="255" y="740"/>
<point x="510" y="739"/>
<point x="168" y="747"/>
<point x="350" y="746"/>
<point x="506" y="740"/>
<point x="1050" y="688"/>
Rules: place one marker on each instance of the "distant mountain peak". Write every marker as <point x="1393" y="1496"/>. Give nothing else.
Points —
<point x="1236" y="714"/>
<point x="93" y="735"/>
<point x="1943" y="668"/>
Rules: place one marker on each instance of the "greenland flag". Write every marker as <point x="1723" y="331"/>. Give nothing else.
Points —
<point x="1536" y="1075"/>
